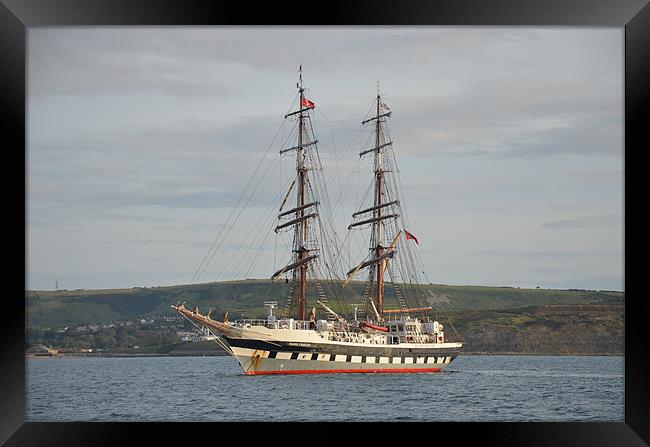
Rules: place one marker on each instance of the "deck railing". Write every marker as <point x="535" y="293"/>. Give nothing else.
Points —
<point x="276" y="324"/>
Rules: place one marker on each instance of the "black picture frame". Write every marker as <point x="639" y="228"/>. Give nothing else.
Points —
<point x="16" y="16"/>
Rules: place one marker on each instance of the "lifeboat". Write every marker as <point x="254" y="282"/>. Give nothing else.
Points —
<point x="373" y="326"/>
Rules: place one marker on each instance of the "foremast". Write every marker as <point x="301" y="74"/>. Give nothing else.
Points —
<point x="303" y="211"/>
<point x="301" y="227"/>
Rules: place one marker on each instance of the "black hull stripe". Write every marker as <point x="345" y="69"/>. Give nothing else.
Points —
<point x="368" y="351"/>
<point x="397" y="360"/>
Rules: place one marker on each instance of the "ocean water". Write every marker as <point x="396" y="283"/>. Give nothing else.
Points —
<point x="472" y="388"/>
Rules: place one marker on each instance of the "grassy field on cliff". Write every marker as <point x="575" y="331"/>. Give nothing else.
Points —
<point x="60" y="308"/>
<point x="486" y="319"/>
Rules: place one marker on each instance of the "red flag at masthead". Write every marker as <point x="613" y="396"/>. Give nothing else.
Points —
<point x="307" y="103"/>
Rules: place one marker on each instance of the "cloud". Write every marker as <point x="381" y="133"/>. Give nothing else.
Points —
<point x="544" y="254"/>
<point x="188" y="165"/>
<point x="151" y="134"/>
<point x="155" y="242"/>
<point x="506" y="118"/>
<point x="103" y="61"/>
<point x="585" y="222"/>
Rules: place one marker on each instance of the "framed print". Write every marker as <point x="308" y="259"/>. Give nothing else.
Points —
<point x="131" y="129"/>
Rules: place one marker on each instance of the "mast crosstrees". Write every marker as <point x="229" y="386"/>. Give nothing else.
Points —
<point x="305" y="209"/>
<point x="383" y="210"/>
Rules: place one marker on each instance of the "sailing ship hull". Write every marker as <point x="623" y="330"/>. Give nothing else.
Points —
<point x="259" y="357"/>
<point x="263" y="350"/>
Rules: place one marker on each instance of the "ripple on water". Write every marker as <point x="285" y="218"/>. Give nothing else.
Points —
<point x="477" y="388"/>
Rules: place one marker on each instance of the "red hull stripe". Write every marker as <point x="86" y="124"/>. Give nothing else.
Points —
<point x="329" y="371"/>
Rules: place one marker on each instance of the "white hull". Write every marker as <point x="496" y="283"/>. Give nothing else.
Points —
<point x="260" y="350"/>
<point x="268" y="350"/>
<point x="259" y="362"/>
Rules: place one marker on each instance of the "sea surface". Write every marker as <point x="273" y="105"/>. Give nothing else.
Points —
<point x="213" y="388"/>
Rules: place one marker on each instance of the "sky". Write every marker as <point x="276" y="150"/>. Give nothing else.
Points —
<point x="141" y="140"/>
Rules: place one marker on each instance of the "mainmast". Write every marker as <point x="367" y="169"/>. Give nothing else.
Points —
<point x="381" y="210"/>
<point x="377" y="226"/>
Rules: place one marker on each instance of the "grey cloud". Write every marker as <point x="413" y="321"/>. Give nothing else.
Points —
<point x="596" y="221"/>
<point x="531" y="119"/>
<point x="545" y="254"/>
<point x="486" y="102"/>
<point x="155" y="242"/>
<point x="74" y="62"/>
<point x="88" y="61"/>
<point x="190" y="165"/>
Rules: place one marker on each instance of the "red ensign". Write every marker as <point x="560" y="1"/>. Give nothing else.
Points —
<point x="410" y="236"/>
<point x="307" y="103"/>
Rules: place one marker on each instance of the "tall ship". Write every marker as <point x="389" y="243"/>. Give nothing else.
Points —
<point x="394" y="326"/>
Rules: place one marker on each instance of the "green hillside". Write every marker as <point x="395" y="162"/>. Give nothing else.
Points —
<point x="486" y="319"/>
<point x="61" y="308"/>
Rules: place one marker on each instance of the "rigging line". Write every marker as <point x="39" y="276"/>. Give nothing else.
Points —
<point x="448" y="318"/>
<point x="322" y="191"/>
<point x="327" y="255"/>
<point x="367" y="192"/>
<point x="393" y="185"/>
<point x="403" y="259"/>
<point x="359" y="131"/>
<point x="238" y="201"/>
<point x="202" y="268"/>
<point x="311" y="236"/>
<point x="330" y="265"/>
<point x="249" y="197"/>
<point x="275" y="251"/>
<point x="255" y="259"/>
<point x="320" y="188"/>
<point x="370" y="107"/>
<point x="254" y="248"/>
<point x="417" y="259"/>
<point x="337" y="256"/>
<point x="341" y="170"/>
<point x="268" y="215"/>
<point x="337" y="168"/>
<point x="397" y="179"/>
<point x="291" y="136"/>
<point x="338" y="201"/>
<point x="329" y="230"/>
<point x="331" y="129"/>
<point x="237" y="218"/>
<point x="333" y="259"/>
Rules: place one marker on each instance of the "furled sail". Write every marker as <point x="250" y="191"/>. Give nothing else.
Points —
<point x="299" y="208"/>
<point x="374" y="219"/>
<point x="292" y="266"/>
<point x="376" y="117"/>
<point x="295" y="221"/>
<point x="300" y="146"/>
<point x="373" y="208"/>
<point x="389" y="254"/>
<point x="374" y="149"/>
